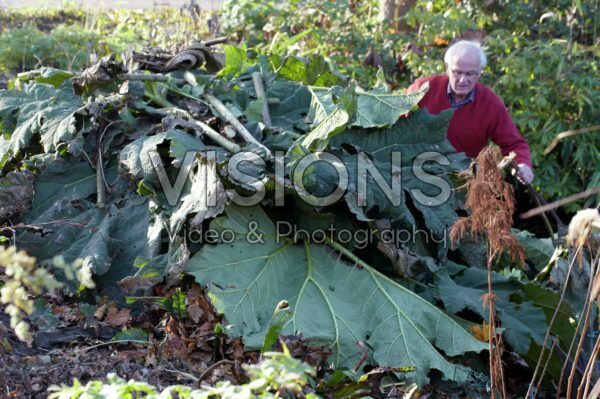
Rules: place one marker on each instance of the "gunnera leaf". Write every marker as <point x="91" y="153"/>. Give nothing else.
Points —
<point x="334" y="302"/>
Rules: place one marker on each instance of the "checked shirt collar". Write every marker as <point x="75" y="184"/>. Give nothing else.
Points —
<point x="459" y="104"/>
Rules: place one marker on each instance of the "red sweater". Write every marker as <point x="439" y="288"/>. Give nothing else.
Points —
<point x="473" y="125"/>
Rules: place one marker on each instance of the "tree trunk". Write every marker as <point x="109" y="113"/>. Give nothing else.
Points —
<point x="392" y="11"/>
<point x="387" y="10"/>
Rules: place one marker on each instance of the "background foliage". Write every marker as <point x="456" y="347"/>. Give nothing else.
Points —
<point x="66" y="39"/>
<point x="543" y="62"/>
<point x="543" y="55"/>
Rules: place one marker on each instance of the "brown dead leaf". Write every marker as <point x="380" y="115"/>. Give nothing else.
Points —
<point x="195" y="312"/>
<point x="151" y="352"/>
<point x="131" y="284"/>
<point x="127" y="355"/>
<point x="118" y="318"/>
<point x="207" y="308"/>
<point x="235" y="350"/>
<point x="481" y="332"/>
<point x="151" y="360"/>
<point x="440" y="41"/>
<point x="100" y="312"/>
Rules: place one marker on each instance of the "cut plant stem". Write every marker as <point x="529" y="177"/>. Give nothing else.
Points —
<point x="550" y="325"/>
<point x="216" y="137"/>
<point x="229" y="131"/>
<point x="100" y="193"/>
<point x="260" y="94"/>
<point x="217" y="40"/>
<point x="211" y="133"/>
<point x="239" y="127"/>
<point x="151" y="77"/>
<point x="207" y="130"/>
<point x="182" y="93"/>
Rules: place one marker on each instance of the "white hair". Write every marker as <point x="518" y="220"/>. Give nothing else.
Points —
<point x="461" y="47"/>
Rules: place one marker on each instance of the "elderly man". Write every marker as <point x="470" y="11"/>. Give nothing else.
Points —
<point x="479" y="114"/>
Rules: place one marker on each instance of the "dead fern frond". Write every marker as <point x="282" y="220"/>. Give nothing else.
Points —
<point x="459" y="229"/>
<point x="491" y="203"/>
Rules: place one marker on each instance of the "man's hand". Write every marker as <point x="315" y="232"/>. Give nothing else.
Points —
<point x="525" y="173"/>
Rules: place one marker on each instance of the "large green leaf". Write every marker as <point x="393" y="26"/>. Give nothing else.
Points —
<point x="312" y="71"/>
<point x="204" y="197"/>
<point x="522" y="321"/>
<point x="74" y="227"/>
<point x="418" y="137"/>
<point x="378" y="108"/>
<point x="548" y="300"/>
<point x="16" y="192"/>
<point x="291" y="107"/>
<point x="61" y="179"/>
<point x="39" y="109"/>
<point x="326" y="100"/>
<point x="321" y="104"/>
<point x="77" y="229"/>
<point x="135" y="157"/>
<point x="48" y="75"/>
<point x="332" y="125"/>
<point x="419" y="128"/>
<point x="334" y="302"/>
<point x="538" y="250"/>
<point x="236" y="61"/>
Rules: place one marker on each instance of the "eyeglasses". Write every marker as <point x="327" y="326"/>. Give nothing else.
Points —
<point x="468" y="75"/>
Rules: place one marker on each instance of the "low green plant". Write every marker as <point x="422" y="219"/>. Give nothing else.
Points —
<point x="26" y="281"/>
<point x="278" y="375"/>
<point x="22" y="49"/>
<point x="66" y="39"/>
<point x="66" y="47"/>
<point x="341" y="31"/>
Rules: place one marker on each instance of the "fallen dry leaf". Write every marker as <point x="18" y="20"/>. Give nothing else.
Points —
<point x="481" y="332"/>
<point x="118" y="318"/>
<point x="195" y="312"/>
<point x="100" y="312"/>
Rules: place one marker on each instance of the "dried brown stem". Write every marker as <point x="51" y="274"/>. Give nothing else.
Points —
<point x="589" y="371"/>
<point x="554" y="316"/>
<point x="569" y="133"/>
<point x="589" y="304"/>
<point x="494" y="339"/>
<point x="584" y="316"/>
<point x="491" y="203"/>
<point x="100" y="192"/>
<point x="554" y="342"/>
<point x="209" y="370"/>
<point x="559" y="203"/>
<point x="364" y="355"/>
